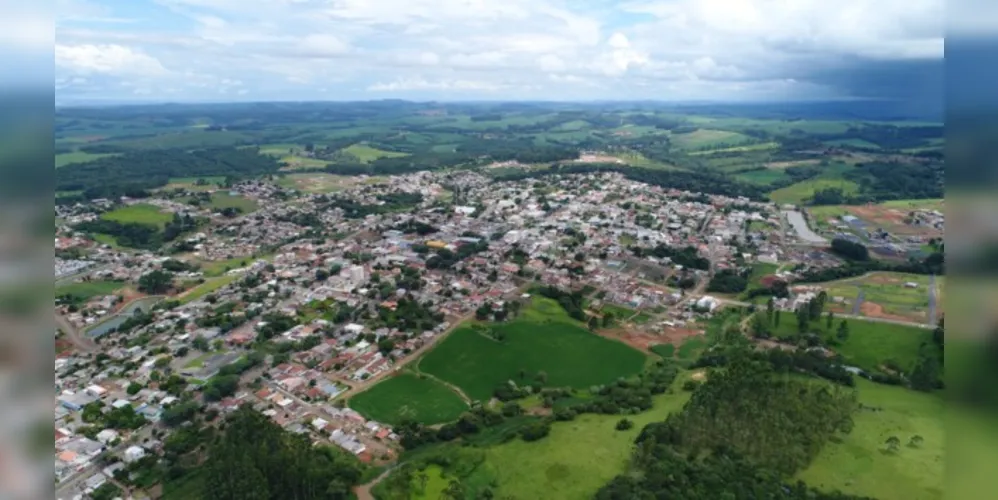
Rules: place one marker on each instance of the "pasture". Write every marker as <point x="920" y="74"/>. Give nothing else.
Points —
<point x="858" y="462"/>
<point x="577" y="457"/>
<point x="63" y="159"/>
<point x="853" y="143"/>
<point x="139" y="213"/>
<point x="315" y="183"/>
<point x="191" y="183"/>
<point x="541" y="339"/>
<point x="210" y="285"/>
<point x="409" y="396"/>
<point x="764" y="177"/>
<point x="294" y="162"/>
<point x="870" y="344"/>
<point x="220" y="267"/>
<point x="222" y="200"/>
<point x="801" y="192"/>
<point x="708" y="139"/>
<point x="367" y="154"/>
<point x="85" y="290"/>
<point x="762" y="146"/>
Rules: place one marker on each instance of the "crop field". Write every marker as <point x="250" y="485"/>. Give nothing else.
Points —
<point x="541" y="339"/>
<point x="870" y="344"/>
<point x="853" y="143"/>
<point x="885" y="295"/>
<point x="859" y="464"/>
<point x="409" y="396"/>
<point x="802" y="191"/>
<point x="221" y="201"/>
<point x="367" y="154"/>
<point x="190" y="183"/>
<point x="762" y="146"/>
<point x="578" y="457"/>
<point x="764" y="177"/>
<point x="63" y="159"/>
<point x="86" y="290"/>
<point x="293" y="162"/>
<point x="709" y="138"/>
<point x="139" y="213"/>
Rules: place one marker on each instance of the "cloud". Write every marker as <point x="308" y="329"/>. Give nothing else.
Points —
<point x="109" y="59"/>
<point x="545" y="49"/>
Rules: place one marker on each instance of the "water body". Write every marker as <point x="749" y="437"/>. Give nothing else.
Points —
<point x="804" y="232"/>
<point x="143" y="304"/>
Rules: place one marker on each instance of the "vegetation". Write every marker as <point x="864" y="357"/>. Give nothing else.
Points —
<point x="408" y="396"/>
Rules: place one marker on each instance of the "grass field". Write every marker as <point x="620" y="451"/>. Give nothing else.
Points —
<point x="543" y="338"/>
<point x="409" y="396"/>
<point x="140" y="213"/>
<point x="870" y="344"/>
<point x="709" y="138"/>
<point x="801" y="192"/>
<point x="853" y="143"/>
<point x="221" y="201"/>
<point x="767" y="176"/>
<point x="367" y="154"/>
<point x="63" y="159"/>
<point x="293" y="162"/>
<point x="762" y="146"/>
<point x="859" y="465"/>
<point x="930" y="204"/>
<point x="887" y="291"/>
<point x="210" y="285"/>
<point x="317" y="183"/>
<point x="84" y="291"/>
<point x="577" y="458"/>
<point x="188" y="183"/>
<point x="220" y="267"/>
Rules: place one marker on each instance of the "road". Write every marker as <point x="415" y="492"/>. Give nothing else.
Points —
<point x="850" y="316"/>
<point x="79" y="339"/>
<point x="859" y="301"/>
<point x="67" y="488"/>
<point x="932" y="299"/>
<point x="363" y="491"/>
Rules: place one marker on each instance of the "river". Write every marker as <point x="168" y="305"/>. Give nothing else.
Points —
<point x="804" y="232"/>
<point x="112" y="322"/>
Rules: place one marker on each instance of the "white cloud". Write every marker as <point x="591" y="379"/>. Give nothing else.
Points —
<point x="418" y="83"/>
<point x="109" y="59"/>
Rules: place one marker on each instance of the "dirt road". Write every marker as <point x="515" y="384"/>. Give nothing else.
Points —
<point x="74" y="336"/>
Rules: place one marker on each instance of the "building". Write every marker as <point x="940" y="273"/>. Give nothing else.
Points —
<point x="133" y="454"/>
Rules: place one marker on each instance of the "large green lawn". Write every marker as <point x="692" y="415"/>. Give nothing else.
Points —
<point x="409" y="396"/>
<point x="708" y="138"/>
<point x="86" y="290"/>
<point x="577" y="458"/>
<point x="141" y="213"/>
<point x="367" y="154"/>
<point x="221" y="201"/>
<point x="63" y="159"/>
<point x="858" y="464"/>
<point x="803" y="191"/>
<point x="209" y="286"/>
<point x="869" y="343"/>
<point x="541" y="339"/>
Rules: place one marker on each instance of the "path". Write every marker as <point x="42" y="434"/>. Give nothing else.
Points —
<point x="932" y="299"/>
<point x="859" y="302"/>
<point x="74" y="336"/>
<point x="363" y="491"/>
<point x="449" y="385"/>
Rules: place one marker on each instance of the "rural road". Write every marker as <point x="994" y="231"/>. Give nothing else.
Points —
<point x="80" y="340"/>
<point x="859" y="302"/>
<point x="363" y="491"/>
<point x="851" y="316"/>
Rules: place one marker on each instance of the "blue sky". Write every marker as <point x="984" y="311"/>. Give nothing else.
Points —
<point x="670" y="50"/>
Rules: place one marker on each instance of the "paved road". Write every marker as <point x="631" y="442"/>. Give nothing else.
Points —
<point x="851" y="316"/>
<point x="67" y="488"/>
<point x="859" y="301"/>
<point x="932" y="299"/>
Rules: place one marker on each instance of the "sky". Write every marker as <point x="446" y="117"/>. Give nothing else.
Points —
<point x="668" y="50"/>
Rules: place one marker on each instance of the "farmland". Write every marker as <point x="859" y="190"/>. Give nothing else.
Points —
<point x="801" y="192"/>
<point x="409" y="396"/>
<point x="86" y="290"/>
<point x="221" y="201"/>
<point x="367" y="154"/>
<point x="709" y="139"/>
<point x="64" y="159"/>
<point x="858" y="464"/>
<point x="140" y="213"/>
<point x="541" y="339"/>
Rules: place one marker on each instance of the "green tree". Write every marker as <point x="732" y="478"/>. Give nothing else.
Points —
<point x="829" y="318"/>
<point x="915" y="441"/>
<point x="770" y="309"/>
<point x="156" y="282"/>
<point x="893" y="443"/>
<point x="454" y="491"/>
<point x="843" y="331"/>
<point x="133" y="388"/>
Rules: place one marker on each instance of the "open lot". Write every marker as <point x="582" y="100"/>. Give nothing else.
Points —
<point x="409" y="396"/>
<point x="140" y="213"/>
<point x="544" y="339"/>
<point x="210" y="285"/>
<point x="191" y="183"/>
<point x="221" y="201"/>
<point x="317" y="183"/>
<point x="884" y="295"/>
<point x="858" y="463"/>
<point x="87" y="290"/>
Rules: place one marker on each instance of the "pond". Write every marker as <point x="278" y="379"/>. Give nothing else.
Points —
<point x="144" y="304"/>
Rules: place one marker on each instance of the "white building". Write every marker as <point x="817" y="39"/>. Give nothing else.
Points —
<point x="133" y="453"/>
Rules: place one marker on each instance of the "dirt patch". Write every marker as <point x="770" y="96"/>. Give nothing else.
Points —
<point x="129" y="295"/>
<point x="539" y="411"/>
<point x="699" y="376"/>
<point x="890" y="219"/>
<point x="638" y="340"/>
<point x="874" y="310"/>
<point x="63" y="346"/>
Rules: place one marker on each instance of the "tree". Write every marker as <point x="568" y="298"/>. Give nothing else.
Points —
<point x="770" y="309"/>
<point x="915" y="441"/>
<point x="156" y="282"/>
<point x="133" y="388"/>
<point x="542" y="377"/>
<point x="893" y="443"/>
<point x="843" y="331"/>
<point x="803" y="318"/>
<point x="776" y="319"/>
<point x="454" y="491"/>
<point x="624" y="424"/>
<point x="423" y="478"/>
<point x="201" y="344"/>
<point x="830" y="317"/>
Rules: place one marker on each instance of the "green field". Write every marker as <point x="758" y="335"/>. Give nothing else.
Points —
<point x="221" y="201"/>
<point x="888" y="291"/>
<point x="859" y="465"/>
<point x="762" y="146"/>
<point x="295" y="162"/>
<point x="853" y="143"/>
<point x="870" y="343"/>
<point x="708" y="138"/>
<point x="931" y="204"/>
<point x="367" y="154"/>
<point x="578" y="457"/>
<point x="767" y="176"/>
<point x="188" y="183"/>
<point x="63" y="159"/>
<point x="220" y="267"/>
<point x="543" y="338"/>
<point x="801" y="192"/>
<point x="140" y="213"/>
<point x="409" y="396"/>
<point x="86" y="290"/>
<point x="210" y="285"/>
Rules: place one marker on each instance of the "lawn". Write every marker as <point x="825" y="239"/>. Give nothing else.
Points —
<point x="870" y="344"/>
<point x="409" y="396"/>
<point x="367" y="154"/>
<point x="577" y="458"/>
<point x="708" y="138"/>
<point x="221" y="201"/>
<point x="210" y="285"/>
<point x="541" y="339"/>
<point x="761" y="270"/>
<point x="762" y="146"/>
<point x="63" y="159"/>
<point x="767" y="176"/>
<point x="86" y="290"/>
<point x="220" y="267"/>
<point x="141" y="213"/>
<point x="802" y="192"/>
<point x="859" y="465"/>
<point x="930" y="204"/>
<point x="190" y="183"/>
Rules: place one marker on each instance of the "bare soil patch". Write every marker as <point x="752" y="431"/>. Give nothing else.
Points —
<point x="699" y="376"/>
<point x="890" y="219"/>
<point x="874" y="310"/>
<point x="129" y="295"/>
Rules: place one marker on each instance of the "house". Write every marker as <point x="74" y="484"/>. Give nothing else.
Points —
<point x="133" y="453"/>
<point x="107" y="436"/>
